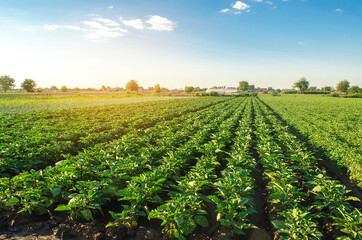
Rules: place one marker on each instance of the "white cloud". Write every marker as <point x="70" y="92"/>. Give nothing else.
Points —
<point x="269" y="2"/>
<point x="95" y="25"/>
<point x="107" y="22"/>
<point x="160" y="23"/>
<point x="136" y="23"/>
<point x="302" y="43"/>
<point x="100" y="29"/>
<point x="51" y="27"/>
<point x="101" y="35"/>
<point x="239" y="5"/>
<point x="339" y="10"/>
<point x="224" y="10"/>
<point x="110" y="7"/>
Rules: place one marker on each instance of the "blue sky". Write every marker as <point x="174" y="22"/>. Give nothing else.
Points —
<point x="177" y="43"/>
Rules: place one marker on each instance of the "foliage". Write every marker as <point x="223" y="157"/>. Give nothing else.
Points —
<point x="176" y="161"/>
<point x="343" y="86"/>
<point x="243" y="86"/>
<point x="132" y="86"/>
<point x="64" y="89"/>
<point x="302" y="84"/>
<point x="189" y="89"/>
<point x="157" y="88"/>
<point x="28" y="85"/>
<point x="354" y="90"/>
<point x="54" y="88"/>
<point x="7" y="83"/>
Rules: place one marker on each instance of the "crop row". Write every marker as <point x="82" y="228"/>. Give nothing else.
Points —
<point x="192" y="171"/>
<point x="333" y="125"/>
<point x="186" y="208"/>
<point x="303" y="199"/>
<point x="90" y="179"/>
<point x="38" y="139"/>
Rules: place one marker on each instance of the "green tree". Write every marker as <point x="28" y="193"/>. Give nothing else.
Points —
<point x="243" y="86"/>
<point x="157" y="88"/>
<point x="64" y="89"/>
<point x="28" y="85"/>
<point x="354" y="89"/>
<point x="326" y="89"/>
<point x="54" y="88"/>
<point x="343" y="86"/>
<point x="302" y="84"/>
<point x="251" y="87"/>
<point x="132" y="85"/>
<point x="7" y="83"/>
<point x="189" y="89"/>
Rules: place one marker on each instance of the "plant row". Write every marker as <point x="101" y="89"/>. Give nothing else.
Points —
<point x="303" y="199"/>
<point x="333" y="125"/>
<point x="83" y="183"/>
<point x="186" y="208"/>
<point x="38" y="139"/>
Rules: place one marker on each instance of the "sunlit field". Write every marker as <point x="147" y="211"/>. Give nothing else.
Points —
<point x="20" y="103"/>
<point x="187" y="168"/>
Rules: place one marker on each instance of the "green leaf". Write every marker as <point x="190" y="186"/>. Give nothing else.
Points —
<point x="278" y="224"/>
<point x="179" y="221"/>
<point x="201" y="220"/>
<point x="87" y="214"/>
<point x="56" y="191"/>
<point x="63" y="208"/>
<point x="317" y="189"/>
<point x="353" y="199"/>
<point x="12" y="201"/>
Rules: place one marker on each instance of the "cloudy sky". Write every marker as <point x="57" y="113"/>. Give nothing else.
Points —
<point x="91" y="43"/>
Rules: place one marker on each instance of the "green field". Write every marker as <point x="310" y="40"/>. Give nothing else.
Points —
<point x="189" y="168"/>
<point x="21" y="103"/>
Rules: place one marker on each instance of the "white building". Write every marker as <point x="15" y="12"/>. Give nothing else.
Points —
<point x="223" y="90"/>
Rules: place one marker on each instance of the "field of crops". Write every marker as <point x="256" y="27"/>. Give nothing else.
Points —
<point x="196" y="168"/>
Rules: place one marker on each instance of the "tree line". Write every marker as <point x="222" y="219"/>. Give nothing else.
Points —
<point x="29" y="85"/>
<point x="343" y="86"/>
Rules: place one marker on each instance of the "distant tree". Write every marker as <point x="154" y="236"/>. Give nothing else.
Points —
<point x="54" y="88"/>
<point x="77" y="89"/>
<point x="28" y="85"/>
<point x="243" y="86"/>
<point x="132" y="85"/>
<point x="343" y="86"/>
<point x="189" y="89"/>
<point x="354" y="89"/>
<point x="326" y="89"/>
<point x="302" y="84"/>
<point x="103" y="88"/>
<point x="64" y="89"/>
<point x="7" y="83"/>
<point x="270" y="89"/>
<point x="251" y="87"/>
<point x="157" y="88"/>
<point x="312" y="88"/>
